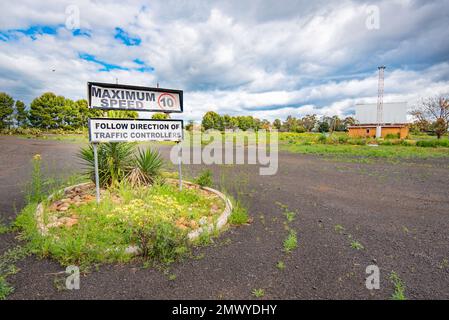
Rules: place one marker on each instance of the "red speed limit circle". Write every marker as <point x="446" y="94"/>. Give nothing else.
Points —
<point x="166" y="100"/>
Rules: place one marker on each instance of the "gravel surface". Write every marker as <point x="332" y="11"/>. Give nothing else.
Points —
<point x="398" y="212"/>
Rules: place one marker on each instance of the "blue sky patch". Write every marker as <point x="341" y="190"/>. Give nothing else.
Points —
<point x="125" y="38"/>
<point x="82" y="32"/>
<point x="143" y="66"/>
<point x="105" y="65"/>
<point x="35" y="31"/>
<point x="32" y="32"/>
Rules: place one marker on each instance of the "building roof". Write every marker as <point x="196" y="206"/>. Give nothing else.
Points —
<point x="373" y="125"/>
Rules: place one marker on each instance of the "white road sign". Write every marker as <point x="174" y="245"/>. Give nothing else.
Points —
<point x="129" y="130"/>
<point x="124" y="97"/>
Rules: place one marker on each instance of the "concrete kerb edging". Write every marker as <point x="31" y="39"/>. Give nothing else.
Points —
<point x="221" y="221"/>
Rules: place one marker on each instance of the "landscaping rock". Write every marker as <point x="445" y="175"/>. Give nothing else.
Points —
<point x="203" y="221"/>
<point x="193" y="224"/>
<point x="133" y="250"/>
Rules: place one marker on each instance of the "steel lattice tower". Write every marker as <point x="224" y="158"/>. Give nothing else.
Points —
<point x="380" y="95"/>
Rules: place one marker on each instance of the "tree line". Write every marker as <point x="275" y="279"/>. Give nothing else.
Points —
<point x="308" y="123"/>
<point x="49" y="111"/>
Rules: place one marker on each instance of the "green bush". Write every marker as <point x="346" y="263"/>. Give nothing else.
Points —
<point x="393" y="136"/>
<point x="161" y="241"/>
<point x="322" y="138"/>
<point x="22" y="131"/>
<point x="390" y="142"/>
<point x="432" y="143"/>
<point x="357" y="141"/>
<point x="205" y="179"/>
<point x="426" y="143"/>
<point x="115" y="160"/>
<point x="407" y="143"/>
<point x="147" y="167"/>
<point x="343" y="139"/>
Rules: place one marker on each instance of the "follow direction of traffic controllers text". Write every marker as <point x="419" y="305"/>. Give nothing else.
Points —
<point x="109" y="96"/>
<point x="130" y="130"/>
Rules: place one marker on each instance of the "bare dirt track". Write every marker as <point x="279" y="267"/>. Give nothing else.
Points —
<point x="398" y="212"/>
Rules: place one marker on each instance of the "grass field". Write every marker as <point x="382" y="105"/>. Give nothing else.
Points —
<point x="339" y="144"/>
<point x="336" y="144"/>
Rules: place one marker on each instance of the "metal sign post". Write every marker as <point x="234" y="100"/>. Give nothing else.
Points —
<point x="97" y="179"/>
<point x="179" y="166"/>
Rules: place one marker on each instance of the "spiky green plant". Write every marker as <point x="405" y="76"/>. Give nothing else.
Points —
<point x="147" y="166"/>
<point x="115" y="161"/>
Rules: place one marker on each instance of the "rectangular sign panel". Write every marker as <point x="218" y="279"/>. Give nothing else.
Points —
<point x="128" y="130"/>
<point x="123" y="97"/>
<point x="392" y="113"/>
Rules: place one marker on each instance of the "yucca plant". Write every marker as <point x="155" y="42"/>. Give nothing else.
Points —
<point x="115" y="160"/>
<point x="146" y="167"/>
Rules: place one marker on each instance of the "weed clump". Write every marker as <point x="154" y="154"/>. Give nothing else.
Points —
<point x="239" y="214"/>
<point x="291" y="242"/>
<point x="205" y="179"/>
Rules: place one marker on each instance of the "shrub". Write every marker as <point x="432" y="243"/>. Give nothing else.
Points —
<point x="205" y="178"/>
<point x="432" y="143"/>
<point x="147" y="167"/>
<point x="322" y="138"/>
<point x="343" y="139"/>
<point x="443" y="143"/>
<point x="22" y="131"/>
<point x="239" y="214"/>
<point x="161" y="241"/>
<point x="393" y="136"/>
<point x="357" y="141"/>
<point x="407" y="143"/>
<point x="300" y="129"/>
<point x="390" y="142"/>
<point x="115" y="161"/>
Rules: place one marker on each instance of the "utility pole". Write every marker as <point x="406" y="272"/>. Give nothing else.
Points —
<point x="380" y="101"/>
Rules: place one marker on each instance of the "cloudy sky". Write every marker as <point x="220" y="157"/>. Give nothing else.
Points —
<point x="264" y="58"/>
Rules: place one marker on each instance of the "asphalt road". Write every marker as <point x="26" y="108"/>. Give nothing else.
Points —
<point x="398" y="212"/>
